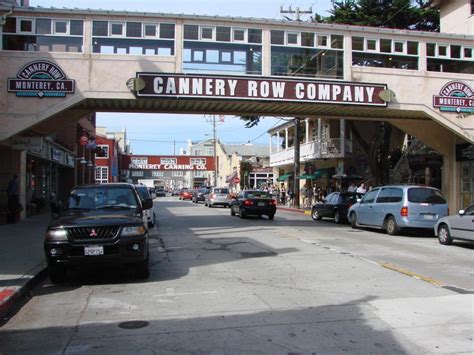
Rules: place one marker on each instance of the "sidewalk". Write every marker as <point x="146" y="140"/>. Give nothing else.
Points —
<point x="306" y="211"/>
<point x="21" y="258"/>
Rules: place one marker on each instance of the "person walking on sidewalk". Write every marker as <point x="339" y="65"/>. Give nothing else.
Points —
<point x="12" y="194"/>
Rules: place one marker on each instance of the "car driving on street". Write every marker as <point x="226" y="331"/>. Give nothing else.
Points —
<point x="185" y="194"/>
<point x="395" y="207"/>
<point x="199" y="195"/>
<point x="253" y="202"/>
<point x="459" y="226"/>
<point x="218" y="196"/>
<point x="98" y="224"/>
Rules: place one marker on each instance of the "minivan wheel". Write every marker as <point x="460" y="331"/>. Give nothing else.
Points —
<point x="353" y="220"/>
<point x="444" y="236"/>
<point x="391" y="226"/>
<point x="337" y="217"/>
<point x="57" y="273"/>
<point x="315" y="215"/>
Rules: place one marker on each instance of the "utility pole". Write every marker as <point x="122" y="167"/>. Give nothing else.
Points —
<point x="296" y="12"/>
<point x="214" y="141"/>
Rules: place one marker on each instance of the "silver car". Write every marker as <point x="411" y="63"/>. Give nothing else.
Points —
<point x="459" y="226"/>
<point x="218" y="196"/>
<point x="395" y="207"/>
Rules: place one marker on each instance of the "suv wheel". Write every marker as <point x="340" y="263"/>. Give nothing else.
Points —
<point x="271" y="217"/>
<point x="444" y="236"/>
<point x="353" y="220"/>
<point x="391" y="226"/>
<point x="57" y="273"/>
<point x="232" y="213"/>
<point x="337" y="217"/>
<point x="315" y="215"/>
<point x="242" y="213"/>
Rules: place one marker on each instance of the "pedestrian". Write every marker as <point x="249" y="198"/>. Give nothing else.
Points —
<point x="290" y="197"/>
<point x="12" y="195"/>
<point x="361" y="189"/>
<point x="352" y="187"/>
<point x="309" y="197"/>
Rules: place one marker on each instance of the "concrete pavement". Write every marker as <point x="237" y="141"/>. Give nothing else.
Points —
<point x="21" y="258"/>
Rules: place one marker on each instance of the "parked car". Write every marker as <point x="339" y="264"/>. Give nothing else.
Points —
<point x="175" y="192"/>
<point x="253" y="202"/>
<point x="149" y="213"/>
<point x="459" y="226"/>
<point x="185" y="194"/>
<point x="335" y="205"/>
<point x="218" y="196"/>
<point x="152" y="192"/>
<point x="199" y="195"/>
<point x="98" y="224"/>
<point x="396" y="207"/>
<point x="160" y="191"/>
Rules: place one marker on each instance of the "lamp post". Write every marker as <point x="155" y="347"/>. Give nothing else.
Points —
<point x="214" y="141"/>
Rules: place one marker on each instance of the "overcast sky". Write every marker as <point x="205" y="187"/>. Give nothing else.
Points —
<point x="157" y="133"/>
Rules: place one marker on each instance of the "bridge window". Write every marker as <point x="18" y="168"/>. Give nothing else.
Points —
<point x="292" y="38"/>
<point x="384" y="53"/>
<point x="239" y="34"/>
<point x="43" y="35"/>
<point x="207" y="33"/>
<point x="452" y="58"/>
<point x="307" y="39"/>
<point x="133" y="38"/>
<point x="223" y="34"/>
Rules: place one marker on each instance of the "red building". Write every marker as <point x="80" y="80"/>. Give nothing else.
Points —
<point x="107" y="159"/>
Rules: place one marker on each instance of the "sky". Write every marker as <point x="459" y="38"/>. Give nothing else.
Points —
<point x="164" y="134"/>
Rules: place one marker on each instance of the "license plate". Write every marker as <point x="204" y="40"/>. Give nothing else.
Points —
<point x="93" y="251"/>
<point x="428" y="216"/>
<point x="261" y="204"/>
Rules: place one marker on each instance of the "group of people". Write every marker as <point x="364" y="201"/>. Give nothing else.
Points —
<point x="361" y="189"/>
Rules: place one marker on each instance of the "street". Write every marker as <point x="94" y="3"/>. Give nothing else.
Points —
<point x="221" y="284"/>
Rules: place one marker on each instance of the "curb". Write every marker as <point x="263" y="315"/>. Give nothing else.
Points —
<point x="11" y="296"/>
<point x="289" y="209"/>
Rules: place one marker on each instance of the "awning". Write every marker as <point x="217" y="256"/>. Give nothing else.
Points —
<point x="284" y="177"/>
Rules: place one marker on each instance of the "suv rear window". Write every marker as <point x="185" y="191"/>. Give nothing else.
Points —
<point x="423" y="195"/>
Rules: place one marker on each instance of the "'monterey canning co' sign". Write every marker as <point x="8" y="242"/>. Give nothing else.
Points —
<point x="259" y="88"/>
<point x="455" y="96"/>
<point x="41" y="78"/>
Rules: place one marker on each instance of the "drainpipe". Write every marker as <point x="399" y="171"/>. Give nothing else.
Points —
<point x="296" y="165"/>
<point x="3" y="20"/>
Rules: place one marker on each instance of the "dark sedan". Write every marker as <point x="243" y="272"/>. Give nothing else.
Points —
<point x="253" y="202"/>
<point x="199" y="195"/>
<point x="335" y="205"/>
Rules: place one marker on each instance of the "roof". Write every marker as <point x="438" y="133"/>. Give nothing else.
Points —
<point x="247" y="150"/>
<point x="249" y="20"/>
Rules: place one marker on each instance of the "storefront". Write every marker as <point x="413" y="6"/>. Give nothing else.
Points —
<point x="465" y="154"/>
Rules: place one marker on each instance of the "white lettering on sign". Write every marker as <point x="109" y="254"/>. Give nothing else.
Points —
<point x="158" y="85"/>
<point x="184" y="86"/>
<point x="232" y="86"/>
<point x="278" y="89"/>
<point x="299" y="90"/>
<point x="252" y="88"/>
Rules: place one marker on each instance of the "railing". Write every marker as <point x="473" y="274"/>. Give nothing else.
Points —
<point x="330" y="148"/>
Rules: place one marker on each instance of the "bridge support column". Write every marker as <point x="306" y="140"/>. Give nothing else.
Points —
<point x="452" y="180"/>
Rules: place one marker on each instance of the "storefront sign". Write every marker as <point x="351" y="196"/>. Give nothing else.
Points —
<point x="464" y="152"/>
<point x="41" y="79"/>
<point x="70" y="160"/>
<point x="180" y="162"/>
<point x="57" y="155"/>
<point x="455" y="96"/>
<point x="258" y="88"/>
<point x="262" y="170"/>
<point x="23" y="143"/>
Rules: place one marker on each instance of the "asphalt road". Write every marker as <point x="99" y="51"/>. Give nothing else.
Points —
<point x="220" y="284"/>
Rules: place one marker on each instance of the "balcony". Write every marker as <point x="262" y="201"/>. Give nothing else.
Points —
<point x="324" y="149"/>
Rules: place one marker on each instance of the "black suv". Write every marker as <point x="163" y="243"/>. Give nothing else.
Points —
<point x="98" y="224"/>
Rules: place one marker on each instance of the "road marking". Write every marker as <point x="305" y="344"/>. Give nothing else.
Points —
<point x="410" y="273"/>
<point x="170" y="293"/>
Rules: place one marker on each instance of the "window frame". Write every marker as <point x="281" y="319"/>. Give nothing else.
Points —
<point x="157" y="29"/>
<point x="298" y="38"/>
<point x="404" y="47"/>
<point x="123" y="23"/>
<point x="18" y="25"/>
<point x="328" y="41"/>
<point x="100" y="170"/>
<point x="377" y="45"/>
<point x="102" y="146"/>
<point x="437" y="55"/>
<point x="232" y="38"/>
<point x="68" y="27"/>
<point x="213" y="36"/>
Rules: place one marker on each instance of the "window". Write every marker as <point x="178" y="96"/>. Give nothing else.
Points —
<point x="155" y="173"/>
<point x="292" y="38"/>
<point x="76" y="27"/>
<point x="168" y="161"/>
<point x="43" y="26"/>
<point x="226" y="57"/>
<point x="307" y="39"/>
<point x="238" y="35"/>
<point x="337" y="41"/>
<point x="25" y="25"/>
<point x="223" y="34"/>
<point x="277" y="37"/>
<point x="116" y="29"/>
<point x="425" y="195"/>
<point x="105" y="149"/>
<point x="100" y="28"/>
<point x="207" y="33"/>
<point x="455" y="51"/>
<point x="322" y="41"/>
<point x="60" y="27"/>
<point x="137" y="173"/>
<point x="167" y="30"/>
<point x="134" y="29"/>
<point x="399" y="47"/>
<point x="255" y="35"/>
<point x="198" y="161"/>
<point x="177" y="173"/>
<point x="390" y="195"/>
<point x="102" y="174"/>
<point x="191" y="32"/>
<point x="468" y="53"/>
<point x="371" y="44"/>
<point x="369" y="197"/>
<point x="358" y="43"/>
<point x="150" y="30"/>
<point x="442" y="50"/>
<point x="412" y="48"/>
